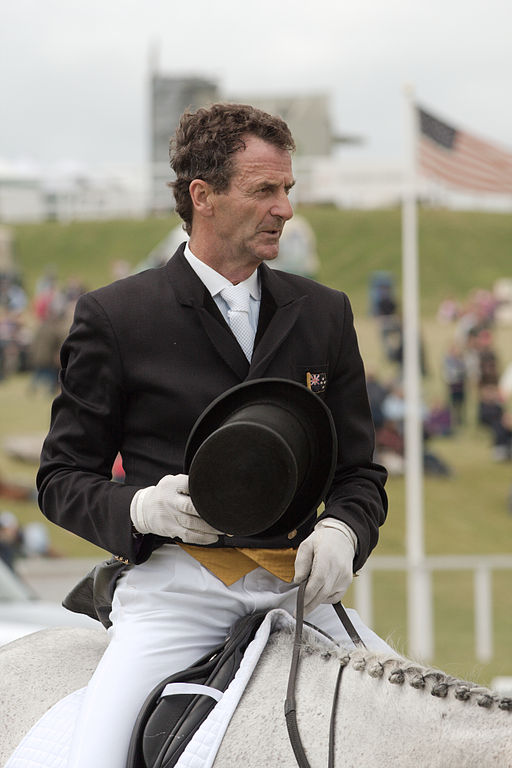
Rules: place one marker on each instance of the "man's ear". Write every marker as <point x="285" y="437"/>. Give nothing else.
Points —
<point x="200" y="194"/>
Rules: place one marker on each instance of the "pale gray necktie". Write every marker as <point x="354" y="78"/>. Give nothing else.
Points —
<point x="237" y="298"/>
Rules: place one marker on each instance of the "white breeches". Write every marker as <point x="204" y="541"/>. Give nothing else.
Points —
<point x="166" y="614"/>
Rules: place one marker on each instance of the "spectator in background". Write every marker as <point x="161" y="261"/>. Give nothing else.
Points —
<point x="492" y="414"/>
<point x="71" y="292"/>
<point x="377" y="393"/>
<point x="389" y="435"/>
<point x="45" y="348"/>
<point x="505" y="382"/>
<point x="13" y="302"/>
<point x="471" y="359"/>
<point x="17" y="541"/>
<point x="393" y="406"/>
<point x="10" y="538"/>
<point x="390" y="445"/>
<point x="454" y="374"/>
<point x="12" y="294"/>
<point x="12" y="343"/>
<point x="439" y="420"/>
<point x="448" y="311"/>
<point x="487" y="359"/>
<point x="45" y="294"/>
<point x="385" y="302"/>
<point x="35" y="541"/>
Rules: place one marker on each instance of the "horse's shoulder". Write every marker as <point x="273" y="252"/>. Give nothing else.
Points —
<point x="62" y="656"/>
<point x="57" y="640"/>
<point x="61" y="635"/>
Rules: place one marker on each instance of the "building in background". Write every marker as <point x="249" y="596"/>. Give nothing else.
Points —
<point x="21" y="196"/>
<point x="100" y="193"/>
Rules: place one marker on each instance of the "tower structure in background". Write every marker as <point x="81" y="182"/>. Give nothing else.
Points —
<point x="169" y="98"/>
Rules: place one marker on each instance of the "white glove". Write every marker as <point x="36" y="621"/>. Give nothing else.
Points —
<point x="326" y="559"/>
<point x="167" y="510"/>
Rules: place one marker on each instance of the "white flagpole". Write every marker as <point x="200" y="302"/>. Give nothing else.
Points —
<point x="419" y="603"/>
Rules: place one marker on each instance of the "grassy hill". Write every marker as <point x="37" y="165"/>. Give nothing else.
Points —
<point x="85" y="250"/>
<point x="459" y="251"/>
<point x="465" y="513"/>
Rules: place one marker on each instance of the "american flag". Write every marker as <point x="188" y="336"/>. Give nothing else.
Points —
<point x="461" y="160"/>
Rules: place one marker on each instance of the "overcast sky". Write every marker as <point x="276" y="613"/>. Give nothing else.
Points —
<point x="73" y="75"/>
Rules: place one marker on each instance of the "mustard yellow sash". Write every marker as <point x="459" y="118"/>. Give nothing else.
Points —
<point x="230" y="563"/>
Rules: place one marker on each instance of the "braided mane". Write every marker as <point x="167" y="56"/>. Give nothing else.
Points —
<point x="397" y="670"/>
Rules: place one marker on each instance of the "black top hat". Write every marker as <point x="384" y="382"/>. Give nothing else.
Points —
<point x="261" y="457"/>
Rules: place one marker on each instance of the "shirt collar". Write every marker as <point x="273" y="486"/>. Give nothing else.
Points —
<point x="214" y="281"/>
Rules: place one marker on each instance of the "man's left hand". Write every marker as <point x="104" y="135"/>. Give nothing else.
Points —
<point x="326" y="559"/>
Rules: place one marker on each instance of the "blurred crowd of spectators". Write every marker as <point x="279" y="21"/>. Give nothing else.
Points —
<point x="32" y="329"/>
<point x="20" y="541"/>
<point x="472" y="362"/>
<point x="469" y="366"/>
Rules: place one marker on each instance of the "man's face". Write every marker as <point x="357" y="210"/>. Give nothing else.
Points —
<point x="250" y="215"/>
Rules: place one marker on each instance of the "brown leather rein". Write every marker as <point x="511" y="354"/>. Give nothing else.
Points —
<point x="290" y="705"/>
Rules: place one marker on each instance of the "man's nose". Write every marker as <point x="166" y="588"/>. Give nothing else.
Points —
<point x="282" y="207"/>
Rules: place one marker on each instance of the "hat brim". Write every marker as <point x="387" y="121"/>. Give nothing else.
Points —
<point x="245" y="518"/>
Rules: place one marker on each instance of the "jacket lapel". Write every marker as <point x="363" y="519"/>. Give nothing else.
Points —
<point x="191" y="292"/>
<point x="279" y="311"/>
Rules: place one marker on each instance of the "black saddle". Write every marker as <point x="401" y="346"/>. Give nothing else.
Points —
<point x="166" y="724"/>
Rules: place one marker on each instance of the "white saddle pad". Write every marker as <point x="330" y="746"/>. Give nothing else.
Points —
<point x="47" y="743"/>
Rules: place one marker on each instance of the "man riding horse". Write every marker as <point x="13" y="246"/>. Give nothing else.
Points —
<point x="145" y="357"/>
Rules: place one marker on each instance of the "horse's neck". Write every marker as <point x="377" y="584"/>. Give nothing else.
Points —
<point x="411" y="715"/>
<point x="381" y="718"/>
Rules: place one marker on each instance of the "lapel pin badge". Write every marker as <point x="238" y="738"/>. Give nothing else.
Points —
<point x="316" y="382"/>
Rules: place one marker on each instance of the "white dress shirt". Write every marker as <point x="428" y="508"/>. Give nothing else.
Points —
<point x="215" y="282"/>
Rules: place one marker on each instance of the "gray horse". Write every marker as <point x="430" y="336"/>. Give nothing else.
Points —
<point x="389" y="712"/>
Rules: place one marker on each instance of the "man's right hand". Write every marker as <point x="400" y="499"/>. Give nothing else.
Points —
<point x="167" y="510"/>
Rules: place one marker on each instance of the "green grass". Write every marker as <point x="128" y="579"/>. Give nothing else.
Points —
<point x="85" y="250"/>
<point x="459" y="251"/>
<point x="464" y="514"/>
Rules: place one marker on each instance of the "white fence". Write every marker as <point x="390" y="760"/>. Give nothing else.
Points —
<point x="482" y="567"/>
